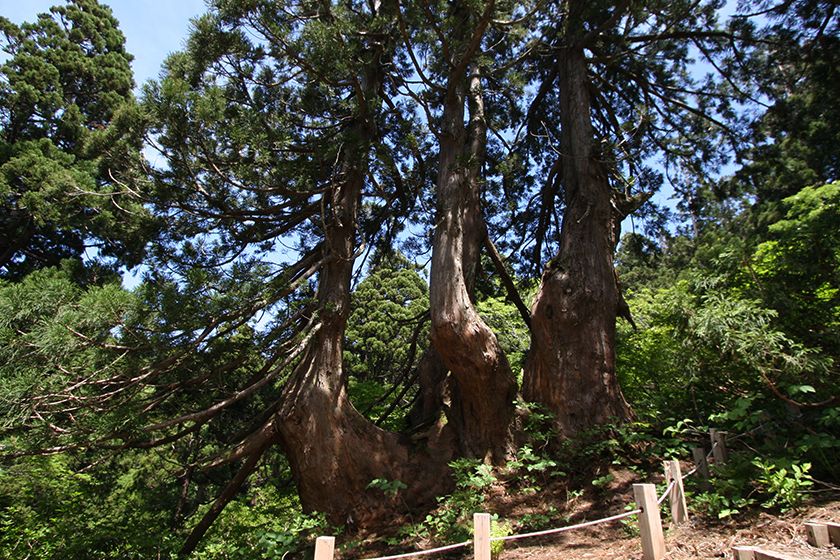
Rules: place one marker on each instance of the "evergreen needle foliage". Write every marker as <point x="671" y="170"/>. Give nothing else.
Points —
<point x="383" y="270"/>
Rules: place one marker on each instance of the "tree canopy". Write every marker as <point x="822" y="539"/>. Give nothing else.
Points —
<point x="383" y="238"/>
<point x="64" y="161"/>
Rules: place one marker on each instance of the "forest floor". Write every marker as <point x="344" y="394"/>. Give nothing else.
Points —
<point x="699" y="539"/>
<point x="784" y="535"/>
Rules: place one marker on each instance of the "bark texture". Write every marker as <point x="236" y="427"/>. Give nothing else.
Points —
<point x="482" y="395"/>
<point x="334" y="452"/>
<point x="571" y="365"/>
<point x="433" y="392"/>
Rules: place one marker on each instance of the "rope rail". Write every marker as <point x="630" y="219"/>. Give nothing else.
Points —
<point x="513" y="537"/>
<point x="667" y="491"/>
<point x="568" y="528"/>
<point x="545" y="532"/>
<point x="647" y="503"/>
<point x="422" y="552"/>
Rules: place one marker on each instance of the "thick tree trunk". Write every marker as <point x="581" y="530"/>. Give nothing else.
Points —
<point x="334" y="452"/>
<point x="433" y="393"/>
<point x="571" y="365"/>
<point x="484" y="389"/>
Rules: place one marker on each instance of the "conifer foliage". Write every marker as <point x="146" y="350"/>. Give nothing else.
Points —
<point x="64" y="165"/>
<point x="344" y="194"/>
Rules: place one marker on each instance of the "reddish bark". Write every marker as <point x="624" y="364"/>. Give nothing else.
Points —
<point x="484" y="389"/>
<point x="571" y="365"/>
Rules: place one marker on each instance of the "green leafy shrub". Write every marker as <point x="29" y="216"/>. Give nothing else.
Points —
<point x="452" y="520"/>
<point x="388" y="487"/>
<point x="498" y="529"/>
<point x="782" y="482"/>
<point x="262" y="525"/>
<point x="52" y="508"/>
<point x="538" y="520"/>
<point x="720" y="506"/>
<point x="746" y="481"/>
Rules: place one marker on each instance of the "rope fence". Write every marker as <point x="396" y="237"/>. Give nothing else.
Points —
<point x="424" y="552"/>
<point x="569" y="528"/>
<point x="650" y="521"/>
<point x="667" y="492"/>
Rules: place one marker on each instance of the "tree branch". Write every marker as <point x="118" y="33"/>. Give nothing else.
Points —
<point x="507" y="281"/>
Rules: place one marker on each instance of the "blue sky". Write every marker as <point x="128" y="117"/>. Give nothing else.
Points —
<point x="153" y="28"/>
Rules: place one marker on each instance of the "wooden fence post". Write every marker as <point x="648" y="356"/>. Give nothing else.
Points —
<point x="679" y="511"/>
<point x="481" y="536"/>
<point x="650" y="524"/>
<point x="719" y="451"/>
<point x="743" y="552"/>
<point x="833" y="532"/>
<point x="817" y="534"/>
<point x="324" y="548"/>
<point x="755" y="553"/>
<point x="700" y="461"/>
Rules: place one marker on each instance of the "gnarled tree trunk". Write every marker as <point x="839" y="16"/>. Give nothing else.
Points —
<point x="334" y="452"/>
<point x="571" y="365"/>
<point x="482" y="395"/>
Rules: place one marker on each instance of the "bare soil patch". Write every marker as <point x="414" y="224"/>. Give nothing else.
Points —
<point x="558" y="503"/>
<point x="699" y="539"/>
